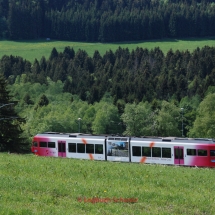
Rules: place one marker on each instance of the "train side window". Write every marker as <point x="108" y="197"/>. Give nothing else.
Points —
<point x="191" y="152"/>
<point x="98" y="149"/>
<point x="212" y="152"/>
<point x="51" y="144"/>
<point x="43" y="144"/>
<point x="35" y="144"/>
<point x="72" y="147"/>
<point x="90" y="148"/>
<point x="146" y="151"/>
<point x="80" y="148"/>
<point x="202" y="152"/>
<point x="166" y="152"/>
<point x="156" y="152"/>
<point x="136" y="151"/>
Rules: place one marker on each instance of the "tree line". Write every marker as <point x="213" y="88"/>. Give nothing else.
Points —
<point x="129" y="76"/>
<point x="106" y="20"/>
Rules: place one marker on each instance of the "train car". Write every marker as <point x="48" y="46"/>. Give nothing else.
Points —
<point x="81" y="146"/>
<point x="152" y="150"/>
<point x="173" y="151"/>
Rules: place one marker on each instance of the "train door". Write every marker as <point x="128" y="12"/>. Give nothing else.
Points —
<point x="179" y="155"/>
<point x="212" y="156"/>
<point x="61" y="148"/>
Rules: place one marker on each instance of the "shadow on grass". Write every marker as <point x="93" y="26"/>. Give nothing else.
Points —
<point x="32" y="41"/>
<point x="173" y="40"/>
<point x="165" y="40"/>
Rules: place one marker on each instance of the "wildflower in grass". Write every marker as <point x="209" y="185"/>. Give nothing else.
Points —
<point x="105" y="191"/>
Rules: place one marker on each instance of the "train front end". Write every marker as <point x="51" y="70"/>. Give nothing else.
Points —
<point x="43" y="146"/>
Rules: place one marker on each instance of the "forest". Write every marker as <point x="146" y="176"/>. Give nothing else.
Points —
<point x="106" y="20"/>
<point x="129" y="76"/>
<point x="137" y="92"/>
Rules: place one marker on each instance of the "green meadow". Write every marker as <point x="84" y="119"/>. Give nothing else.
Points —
<point x="46" y="185"/>
<point x="37" y="48"/>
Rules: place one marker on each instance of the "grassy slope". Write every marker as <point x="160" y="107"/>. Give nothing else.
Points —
<point x="36" y="49"/>
<point x="42" y="185"/>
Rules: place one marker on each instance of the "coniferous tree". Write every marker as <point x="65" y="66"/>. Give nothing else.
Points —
<point x="10" y="131"/>
<point x="43" y="101"/>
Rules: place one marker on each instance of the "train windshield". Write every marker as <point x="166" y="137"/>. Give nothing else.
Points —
<point x="35" y="144"/>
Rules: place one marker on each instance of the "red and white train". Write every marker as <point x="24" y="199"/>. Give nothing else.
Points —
<point x="153" y="150"/>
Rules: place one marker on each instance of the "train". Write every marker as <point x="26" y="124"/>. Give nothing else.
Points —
<point x="199" y="152"/>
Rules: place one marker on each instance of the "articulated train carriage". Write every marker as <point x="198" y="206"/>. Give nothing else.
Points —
<point x="154" y="150"/>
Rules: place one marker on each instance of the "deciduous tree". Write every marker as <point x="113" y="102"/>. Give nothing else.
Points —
<point x="204" y="125"/>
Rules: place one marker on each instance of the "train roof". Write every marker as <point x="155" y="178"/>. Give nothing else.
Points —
<point x="175" y="139"/>
<point x="125" y="138"/>
<point x="69" y="135"/>
<point x="82" y="135"/>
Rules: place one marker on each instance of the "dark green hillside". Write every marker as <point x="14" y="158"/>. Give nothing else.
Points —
<point x="106" y="20"/>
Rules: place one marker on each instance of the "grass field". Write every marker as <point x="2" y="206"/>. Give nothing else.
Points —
<point x="45" y="185"/>
<point x="36" y="49"/>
